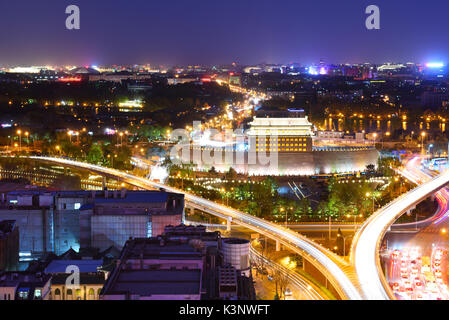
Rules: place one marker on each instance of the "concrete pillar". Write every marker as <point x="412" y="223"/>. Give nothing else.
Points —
<point x="104" y="183"/>
<point x="228" y="224"/>
<point x="278" y="246"/>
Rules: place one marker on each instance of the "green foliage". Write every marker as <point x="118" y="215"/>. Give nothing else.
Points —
<point x="95" y="154"/>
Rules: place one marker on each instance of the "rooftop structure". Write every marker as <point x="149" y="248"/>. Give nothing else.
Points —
<point x="182" y="264"/>
<point x="24" y="286"/>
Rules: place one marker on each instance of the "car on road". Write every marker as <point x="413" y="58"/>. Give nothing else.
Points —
<point x="396" y="286"/>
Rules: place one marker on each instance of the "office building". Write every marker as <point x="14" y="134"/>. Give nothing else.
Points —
<point x="9" y="245"/>
<point x="59" y="220"/>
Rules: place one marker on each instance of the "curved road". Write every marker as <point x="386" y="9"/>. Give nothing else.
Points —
<point x="365" y="248"/>
<point x="333" y="266"/>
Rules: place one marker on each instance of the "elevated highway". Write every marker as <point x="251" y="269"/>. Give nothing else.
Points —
<point x="337" y="271"/>
<point x="365" y="252"/>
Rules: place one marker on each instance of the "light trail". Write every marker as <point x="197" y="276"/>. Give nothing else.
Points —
<point x="301" y="283"/>
<point x="328" y="263"/>
<point x="366" y="245"/>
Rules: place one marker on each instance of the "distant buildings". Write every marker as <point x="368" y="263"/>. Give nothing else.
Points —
<point x="185" y="263"/>
<point x="58" y="221"/>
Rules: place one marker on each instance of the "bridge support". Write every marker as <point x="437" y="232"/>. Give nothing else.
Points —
<point x="228" y="224"/>
<point x="278" y="246"/>
<point x="187" y="210"/>
<point x="318" y="276"/>
<point x="103" y="183"/>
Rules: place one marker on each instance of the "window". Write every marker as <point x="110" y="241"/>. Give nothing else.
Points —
<point x="77" y="206"/>
<point x="78" y="294"/>
<point x="38" y="294"/>
<point x="23" y="295"/>
<point x="91" y="294"/>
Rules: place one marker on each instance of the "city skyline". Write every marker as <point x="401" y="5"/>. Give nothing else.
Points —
<point x="206" y="33"/>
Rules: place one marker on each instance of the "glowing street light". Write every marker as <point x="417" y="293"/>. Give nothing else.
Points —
<point x="423" y="134"/>
<point x="19" y="132"/>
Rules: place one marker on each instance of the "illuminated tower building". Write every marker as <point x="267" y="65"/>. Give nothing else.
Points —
<point x="280" y="131"/>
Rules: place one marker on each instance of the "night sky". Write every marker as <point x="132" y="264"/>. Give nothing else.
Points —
<point x="218" y="32"/>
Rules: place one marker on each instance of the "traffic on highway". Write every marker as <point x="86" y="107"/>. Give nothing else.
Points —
<point x="413" y="276"/>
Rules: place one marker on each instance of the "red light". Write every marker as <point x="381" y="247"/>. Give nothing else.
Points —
<point x="70" y="79"/>
<point x="205" y="80"/>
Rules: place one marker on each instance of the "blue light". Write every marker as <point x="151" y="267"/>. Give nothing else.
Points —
<point x="433" y="65"/>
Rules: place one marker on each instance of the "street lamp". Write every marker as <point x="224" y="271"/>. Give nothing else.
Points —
<point x="112" y="159"/>
<point x="368" y="195"/>
<point x="423" y="134"/>
<point x="428" y="151"/>
<point x="355" y="220"/>
<point x="26" y="135"/>
<point x="19" y="132"/>
<point x="286" y="215"/>
<point x="344" y="243"/>
<point x="121" y="137"/>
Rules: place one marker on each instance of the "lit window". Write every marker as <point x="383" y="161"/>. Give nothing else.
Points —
<point x="38" y="294"/>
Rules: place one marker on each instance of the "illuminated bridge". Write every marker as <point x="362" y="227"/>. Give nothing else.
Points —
<point x="337" y="272"/>
<point x="361" y="279"/>
<point x="365" y="253"/>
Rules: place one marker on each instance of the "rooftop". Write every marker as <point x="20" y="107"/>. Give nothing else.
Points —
<point x="60" y="266"/>
<point x="85" y="278"/>
<point x="151" y="282"/>
<point x="22" y="278"/>
<point x="154" y="248"/>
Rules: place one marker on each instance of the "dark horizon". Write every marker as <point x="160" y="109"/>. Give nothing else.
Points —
<point x="175" y="32"/>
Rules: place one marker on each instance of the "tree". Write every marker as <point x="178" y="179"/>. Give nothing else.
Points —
<point x="95" y="154"/>
<point x="282" y="281"/>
